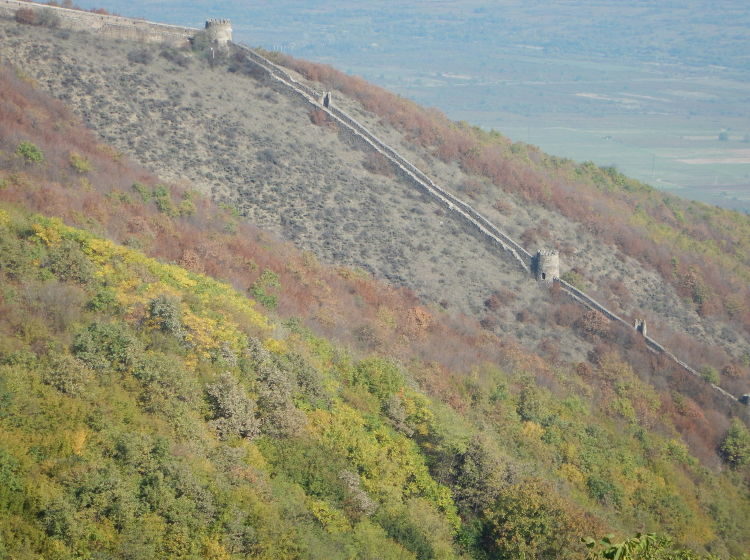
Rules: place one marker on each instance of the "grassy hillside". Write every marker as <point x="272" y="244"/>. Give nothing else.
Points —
<point x="592" y="196"/>
<point x="237" y="135"/>
<point x="699" y="250"/>
<point x="152" y="411"/>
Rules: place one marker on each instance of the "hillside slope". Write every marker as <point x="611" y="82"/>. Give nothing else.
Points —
<point x="240" y="137"/>
<point x="245" y="142"/>
<point x="170" y="424"/>
<point x="459" y="438"/>
<point x="175" y="417"/>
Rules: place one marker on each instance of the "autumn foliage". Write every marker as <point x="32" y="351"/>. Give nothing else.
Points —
<point x="371" y="408"/>
<point x="120" y="199"/>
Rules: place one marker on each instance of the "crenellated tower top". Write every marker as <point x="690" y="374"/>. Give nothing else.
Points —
<point x="219" y="31"/>
<point x="547" y="265"/>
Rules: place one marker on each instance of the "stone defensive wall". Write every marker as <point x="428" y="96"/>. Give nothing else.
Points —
<point x="403" y="166"/>
<point x="116" y="27"/>
<point x="651" y="344"/>
<point x="462" y="210"/>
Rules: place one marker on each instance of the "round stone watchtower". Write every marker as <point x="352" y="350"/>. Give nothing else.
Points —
<point x="219" y="31"/>
<point x="547" y="265"/>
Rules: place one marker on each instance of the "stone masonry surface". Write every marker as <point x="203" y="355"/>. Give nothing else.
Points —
<point x="112" y="26"/>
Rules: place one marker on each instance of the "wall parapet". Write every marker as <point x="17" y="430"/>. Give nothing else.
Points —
<point x="118" y="27"/>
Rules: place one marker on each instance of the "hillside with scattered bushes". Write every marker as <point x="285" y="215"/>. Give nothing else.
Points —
<point x="176" y="382"/>
<point x="233" y="132"/>
<point x="174" y="418"/>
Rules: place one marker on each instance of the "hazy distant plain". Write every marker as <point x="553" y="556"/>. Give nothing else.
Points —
<point x="649" y="88"/>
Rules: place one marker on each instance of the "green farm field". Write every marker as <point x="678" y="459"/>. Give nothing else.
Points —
<point x="665" y="125"/>
<point x="648" y="87"/>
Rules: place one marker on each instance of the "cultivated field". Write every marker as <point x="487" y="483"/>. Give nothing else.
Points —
<point x="645" y="87"/>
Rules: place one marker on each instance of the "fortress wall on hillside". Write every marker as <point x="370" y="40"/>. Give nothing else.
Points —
<point x="116" y="27"/>
<point x="355" y="130"/>
<point x="145" y="31"/>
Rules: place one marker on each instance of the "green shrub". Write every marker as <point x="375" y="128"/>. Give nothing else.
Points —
<point x="530" y="407"/>
<point x="142" y="190"/>
<point x="735" y="449"/>
<point x="69" y="264"/>
<point x="641" y="547"/>
<point x="103" y="345"/>
<point x="187" y="208"/>
<point x="163" y="200"/>
<point x="401" y="528"/>
<point x="262" y="288"/>
<point x="530" y="520"/>
<point x="381" y="377"/>
<point x="710" y="374"/>
<point x="604" y="491"/>
<point x="233" y="410"/>
<point x="58" y="518"/>
<point x="165" y="206"/>
<point x="16" y="257"/>
<point x="480" y="475"/>
<point x="279" y="416"/>
<point x="574" y="279"/>
<point x="165" y="381"/>
<point x="67" y="374"/>
<point x="30" y="152"/>
<point x="11" y="483"/>
<point x="165" y="312"/>
<point x="80" y="163"/>
<point x="105" y="299"/>
<point x="320" y="472"/>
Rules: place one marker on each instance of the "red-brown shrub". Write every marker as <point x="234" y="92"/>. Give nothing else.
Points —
<point x="375" y="162"/>
<point x="27" y="16"/>
<point x="320" y="118"/>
